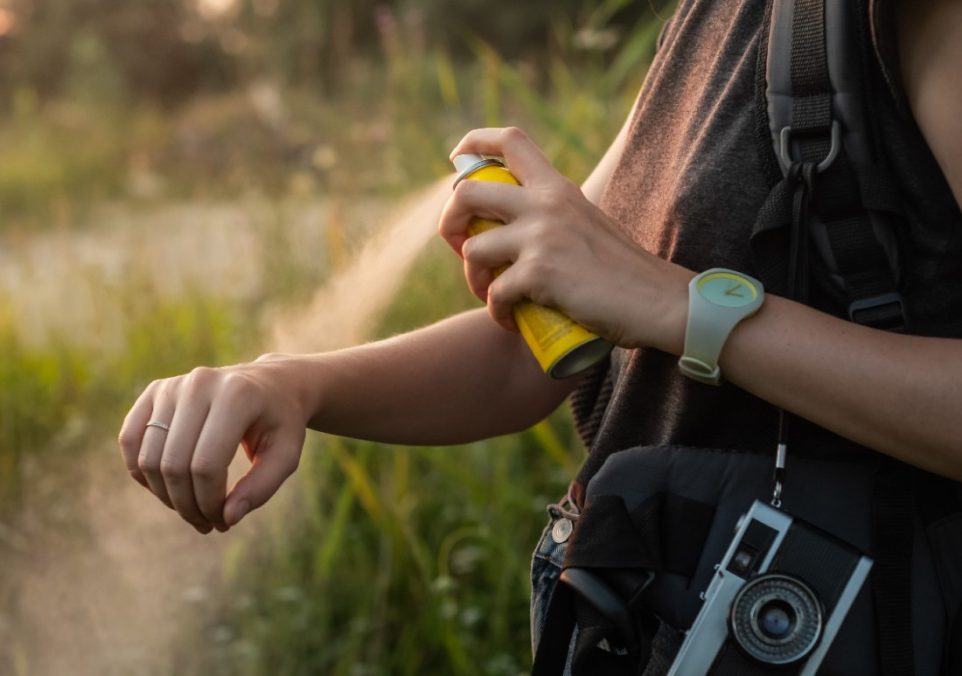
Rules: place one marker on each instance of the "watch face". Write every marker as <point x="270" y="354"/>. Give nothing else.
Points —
<point x="727" y="289"/>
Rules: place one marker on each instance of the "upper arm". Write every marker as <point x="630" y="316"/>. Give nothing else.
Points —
<point x="930" y="46"/>
<point x="595" y="184"/>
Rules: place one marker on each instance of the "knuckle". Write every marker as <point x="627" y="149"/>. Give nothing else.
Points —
<point x="270" y="356"/>
<point x="126" y="442"/>
<point x="464" y="188"/>
<point x="538" y="267"/>
<point x="465" y="193"/>
<point x="291" y="464"/>
<point x="533" y="281"/>
<point x="172" y="470"/>
<point x="469" y="249"/>
<point x="155" y="385"/>
<point x="540" y="233"/>
<point x="470" y="135"/>
<point x="203" y="469"/>
<point x="238" y="386"/>
<point x="514" y="135"/>
<point x="497" y="297"/>
<point x="201" y="376"/>
<point x="495" y="293"/>
<point x="548" y="203"/>
<point x="148" y="465"/>
<point x="556" y="197"/>
<point x="167" y="385"/>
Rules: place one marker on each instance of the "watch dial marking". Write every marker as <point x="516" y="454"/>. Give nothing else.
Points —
<point x="727" y="289"/>
<point x="733" y="290"/>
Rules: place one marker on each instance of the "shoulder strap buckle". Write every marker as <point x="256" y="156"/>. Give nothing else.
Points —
<point x="785" y="148"/>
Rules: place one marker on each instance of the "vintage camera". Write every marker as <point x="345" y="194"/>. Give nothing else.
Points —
<point x="778" y="598"/>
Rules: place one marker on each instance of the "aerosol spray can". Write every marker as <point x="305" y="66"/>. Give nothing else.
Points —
<point x="562" y="347"/>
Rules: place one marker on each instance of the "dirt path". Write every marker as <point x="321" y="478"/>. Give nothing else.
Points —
<point x="61" y="282"/>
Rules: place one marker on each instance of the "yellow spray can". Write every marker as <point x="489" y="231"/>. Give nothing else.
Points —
<point x="562" y="347"/>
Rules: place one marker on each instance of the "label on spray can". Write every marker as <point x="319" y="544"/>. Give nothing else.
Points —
<point x="562" y="347"/>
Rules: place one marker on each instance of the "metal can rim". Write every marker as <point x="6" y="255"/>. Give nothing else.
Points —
<point x="477" y="166"/>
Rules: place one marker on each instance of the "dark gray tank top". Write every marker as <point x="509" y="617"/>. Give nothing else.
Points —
<point x="688" y="188"/>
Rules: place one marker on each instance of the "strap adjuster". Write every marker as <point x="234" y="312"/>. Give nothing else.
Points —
<point x="785" y="149"/>
<point x="892" y="319"/>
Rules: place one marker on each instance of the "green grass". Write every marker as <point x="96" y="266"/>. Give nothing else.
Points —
<point x="405" y="561"/>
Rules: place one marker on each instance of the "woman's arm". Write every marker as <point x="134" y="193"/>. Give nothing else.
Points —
<point x="458" y="380"/>
<point x="900" y="395"/>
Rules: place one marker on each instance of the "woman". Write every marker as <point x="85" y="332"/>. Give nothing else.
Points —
<point x="676" y="193"/>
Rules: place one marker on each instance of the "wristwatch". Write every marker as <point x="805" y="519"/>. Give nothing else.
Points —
<point x="717" y="300"/>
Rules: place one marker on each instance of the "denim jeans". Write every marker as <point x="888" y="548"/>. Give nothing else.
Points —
<point x="546" y="569"/>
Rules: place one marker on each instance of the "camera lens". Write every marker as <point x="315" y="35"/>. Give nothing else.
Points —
<point x="776" y="619"/>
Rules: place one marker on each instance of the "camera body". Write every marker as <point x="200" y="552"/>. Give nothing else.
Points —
<point x="777" y="599"/>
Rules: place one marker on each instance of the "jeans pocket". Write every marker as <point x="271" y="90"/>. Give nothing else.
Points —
<point x="545" y="570"/>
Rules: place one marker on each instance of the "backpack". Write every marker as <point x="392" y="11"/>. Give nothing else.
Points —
<point x="829" y="234"/>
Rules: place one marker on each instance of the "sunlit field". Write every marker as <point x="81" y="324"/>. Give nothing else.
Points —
<point x="201" y="182"/>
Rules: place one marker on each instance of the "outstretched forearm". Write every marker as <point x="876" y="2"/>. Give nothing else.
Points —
<point x="459" y="380"/>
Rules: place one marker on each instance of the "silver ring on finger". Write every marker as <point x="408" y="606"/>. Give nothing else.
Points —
<point x="159" y="425"/>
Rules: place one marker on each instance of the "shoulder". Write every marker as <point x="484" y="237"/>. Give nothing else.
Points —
<point x="930" y="61"/>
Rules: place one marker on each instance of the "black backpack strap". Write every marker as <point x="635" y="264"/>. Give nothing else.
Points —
<point x="835" y="197"/>
<point x="815" y="105"/>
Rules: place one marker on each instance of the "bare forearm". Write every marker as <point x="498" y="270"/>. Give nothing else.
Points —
<point x="460" y="380"/>
<point x="897" y="394"/>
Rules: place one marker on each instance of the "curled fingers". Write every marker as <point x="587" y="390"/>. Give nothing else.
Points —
<point x="132" y="432"/>
<point x="229" y="419"/>
<point x="153" y="437"/>
<point x="487" y="255"/>
<point x="499" y="202"/>
<point x="182" y="446"/>
<point x="523" y="157"/>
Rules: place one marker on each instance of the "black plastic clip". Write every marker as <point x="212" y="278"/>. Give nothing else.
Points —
<point x="893" y="320"/>
<point x="608" y="602"/>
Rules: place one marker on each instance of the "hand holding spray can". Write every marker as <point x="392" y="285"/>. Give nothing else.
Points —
<point x="562" y="347"/>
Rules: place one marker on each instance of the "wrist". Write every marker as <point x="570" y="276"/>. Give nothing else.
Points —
<point x="295" y="378"/>
<point x="674" y="313"/>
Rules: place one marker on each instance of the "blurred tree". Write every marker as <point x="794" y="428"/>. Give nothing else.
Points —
<point x="310" y="42"/>
<point x="168" y="50"/>
<point x="142" y="41"/>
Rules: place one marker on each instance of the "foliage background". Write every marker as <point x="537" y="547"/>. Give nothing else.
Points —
<point x="174" y="176"/>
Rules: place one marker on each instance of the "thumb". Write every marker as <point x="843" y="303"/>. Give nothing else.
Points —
<point x="271" y="465"/>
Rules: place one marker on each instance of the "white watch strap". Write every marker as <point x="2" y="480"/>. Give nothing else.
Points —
<point x="708" y="328"/>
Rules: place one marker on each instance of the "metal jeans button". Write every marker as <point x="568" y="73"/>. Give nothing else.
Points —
<point x="561" y="530"/>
